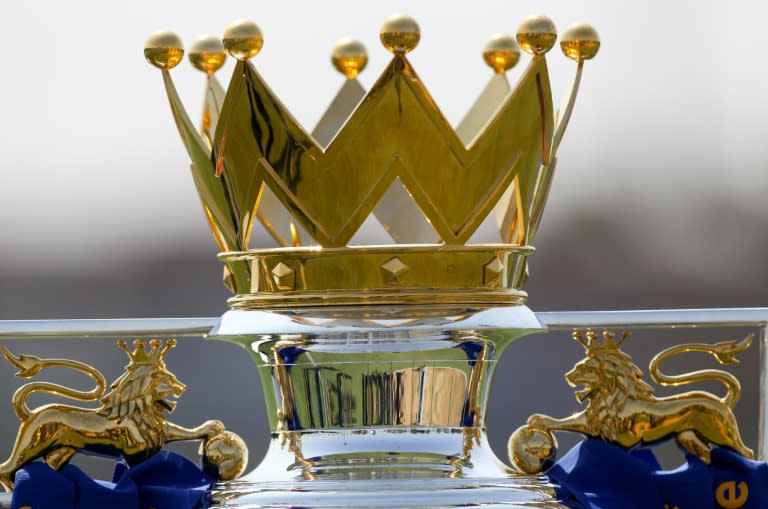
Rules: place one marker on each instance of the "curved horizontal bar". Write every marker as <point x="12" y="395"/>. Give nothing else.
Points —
<point x="655" y="318"/>
<point x="552" y="320"/>
<point x="106" y="328"/>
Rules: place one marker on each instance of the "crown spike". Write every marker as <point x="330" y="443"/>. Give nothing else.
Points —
<point x="501" y="53"/>
<point x="171" y="343"/>
<point x="207" y="54"/>
<point x="349" y="57"/>
<point x="578" y="336"/>
<point x="592" y="339"/>
<point x="212" y="190"/>
<point x="243" y="39"/>
<point x="164" y="50"/>
<point x="400" y="34"/>
<point x="580" y="41"/>
<point x="536" y="34"/>
<point x="124" y="345"/>
<point x="625" y="335"/>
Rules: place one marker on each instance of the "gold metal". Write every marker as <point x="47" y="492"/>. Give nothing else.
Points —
<point x="349" y="57"/>
<point x="536" y="34"/>
<point x="207" y="54"/>
<point x="227" y="454"/>
<point x="622" y="409"/>
<point x="400" y="34"/>
<point x="243" y="39"/>
<point x="130" y="421"/>
<point x="164" y="50"/>
<point x="340" y="109"/>
<point x="392" y="153"/>
<point x="501" y="53"/>
<point x="399" y="113"/>
<point x="580" y="41"/>
<point x="377" y="274"/>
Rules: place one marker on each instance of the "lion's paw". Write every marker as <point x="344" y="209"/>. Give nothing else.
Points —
<point x="213" y="427"/>
<point x="538" y="421"/>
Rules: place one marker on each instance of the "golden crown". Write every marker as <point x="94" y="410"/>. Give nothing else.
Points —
<point x="140" y="355"/>
<point x="388" y="153"/>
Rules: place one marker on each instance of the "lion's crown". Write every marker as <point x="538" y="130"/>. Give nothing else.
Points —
<point x="140" y="356"/>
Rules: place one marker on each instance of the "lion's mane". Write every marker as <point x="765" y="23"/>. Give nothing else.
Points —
<point x="620" y="380"/>
<point x="132" y="398"/>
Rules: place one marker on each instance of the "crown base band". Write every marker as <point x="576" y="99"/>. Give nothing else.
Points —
<point x="487" y="275"/>
<point x="459" y="299"/>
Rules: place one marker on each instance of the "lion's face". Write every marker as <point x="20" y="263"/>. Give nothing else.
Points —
<point x="166" y="389"/>
<point x="585" y="373"/>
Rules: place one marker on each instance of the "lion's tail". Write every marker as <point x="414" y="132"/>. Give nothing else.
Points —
<point x="30" y="366"/>
<point x="725" y="352"/>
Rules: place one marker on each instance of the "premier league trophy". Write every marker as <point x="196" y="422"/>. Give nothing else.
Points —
<point x="376" y="355"/>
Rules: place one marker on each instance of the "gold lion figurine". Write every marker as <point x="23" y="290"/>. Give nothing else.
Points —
<point x="622" y="409"/>
<point x="130" y="423"/>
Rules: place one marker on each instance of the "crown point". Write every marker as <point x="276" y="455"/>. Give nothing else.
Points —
<point x="164" y="50"/>
<point x="349" y="57"/>
<point x="501" y="53"/>
<point x="536" y="34"/>
<point x="580" y="41"/>
<point x="400" y="34"/>
<point x="207" y="54"/>
<point x="243" y="39"/>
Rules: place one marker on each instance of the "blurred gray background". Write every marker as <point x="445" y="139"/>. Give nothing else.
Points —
<point x="658" y="202"/>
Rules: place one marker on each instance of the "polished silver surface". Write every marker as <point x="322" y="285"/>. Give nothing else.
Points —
<point x="350" y="320"/>
<point x="656" y="318"/>
<point x="108" y="329"/>
<point x="380" y="402"/>
<point x="552" y="320"/>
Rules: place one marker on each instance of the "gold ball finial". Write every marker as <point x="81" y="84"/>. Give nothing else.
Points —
<point x="580" y="41"/>
<point x="501" y="53"/>
<point x="532" y="450"/>
<point x="243" y="39"/>
<point x="400" y="34"/>
<point x="349" y="57"/>
<point x="225" y="456"/>
<point x="207" y="54"/>
<point x="164" y="50"/>
<point x="536" y="34"/>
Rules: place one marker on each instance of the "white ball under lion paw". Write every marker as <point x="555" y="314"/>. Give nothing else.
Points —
<point x="532" y="450"/>
<point x="225" y="456"/>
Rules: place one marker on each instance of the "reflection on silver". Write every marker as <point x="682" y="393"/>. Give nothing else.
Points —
<point x="424" y="396"/>
<point x="424" y="467"/>
<point x="321" y="385"/>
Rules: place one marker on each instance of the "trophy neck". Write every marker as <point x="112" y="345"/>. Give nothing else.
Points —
<point x="349" y="395"/>
<point x="400" y="412"/>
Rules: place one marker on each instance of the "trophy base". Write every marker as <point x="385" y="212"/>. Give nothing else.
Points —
<point x="384" y="467"/>
<point x="521" y="492"/>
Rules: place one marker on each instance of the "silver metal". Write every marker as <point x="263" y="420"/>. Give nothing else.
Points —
<point x="107" y="329"/>
<point x="551" y="320"/>
<point x="417" y="438"/>
<point x="367" y="399"/>
<point x="348" y="321"/>
<point x="762" y="442"/>
<point x="685" y="318"/>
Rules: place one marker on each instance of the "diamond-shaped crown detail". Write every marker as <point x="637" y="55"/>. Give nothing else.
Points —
<point x="388" y="154"/>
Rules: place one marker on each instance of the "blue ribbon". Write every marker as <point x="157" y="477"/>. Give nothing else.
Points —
<point x="165" y="481"/>
<point x="599" y="475"/>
